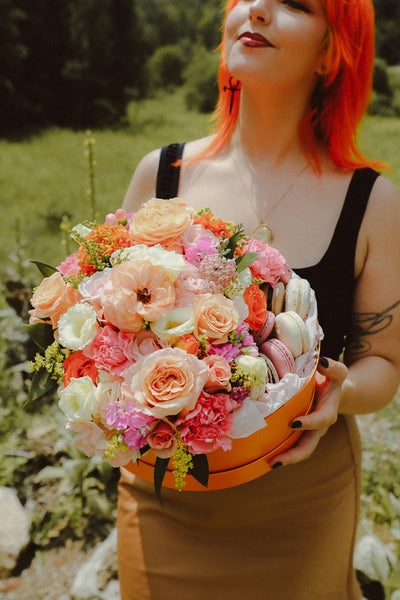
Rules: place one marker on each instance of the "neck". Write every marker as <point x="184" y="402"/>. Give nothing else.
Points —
<point x="268" y="128"/>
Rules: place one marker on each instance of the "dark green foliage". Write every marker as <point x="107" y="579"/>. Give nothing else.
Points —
<point x="201" y="80"/>
<point x="166" y="66"/>
<point x="387" y="30"/>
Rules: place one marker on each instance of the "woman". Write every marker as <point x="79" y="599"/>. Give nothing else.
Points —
<point x="295" y="80"/>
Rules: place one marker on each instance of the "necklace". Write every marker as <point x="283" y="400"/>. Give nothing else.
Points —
<point x="263" y="231"/>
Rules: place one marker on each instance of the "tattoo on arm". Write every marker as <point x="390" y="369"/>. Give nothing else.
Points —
<point x="367" y="324"/>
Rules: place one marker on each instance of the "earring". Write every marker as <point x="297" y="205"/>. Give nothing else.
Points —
<point x="233" y="87"/>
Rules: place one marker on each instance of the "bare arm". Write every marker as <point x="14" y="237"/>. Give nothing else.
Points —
<point x="143" y="184"/>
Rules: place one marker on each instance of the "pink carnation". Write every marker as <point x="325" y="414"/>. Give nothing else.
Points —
<point x="207" y="426"/>
<point x="270" y="265"/>
<point x="70" y="265"/>
<point x="111" y="350"/>
<point x="228" y="351"/>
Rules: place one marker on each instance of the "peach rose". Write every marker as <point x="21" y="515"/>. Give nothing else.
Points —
<point x="160" y="222"/>
<point x="165" y="383"/>
<point x="136" y="290"/>
<point x="219" y="373"/>
<point x="52" y="298"/>
<point x="161" y="439"/>
<point x="215" y="317"/>
<point x="188" y="343"/>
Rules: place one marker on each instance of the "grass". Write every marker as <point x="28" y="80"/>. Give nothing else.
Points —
<point x="46" y="175"/>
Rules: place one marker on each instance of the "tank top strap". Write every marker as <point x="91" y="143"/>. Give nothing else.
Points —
<point x="167" y="184"/>
<point x="344" y="239"/>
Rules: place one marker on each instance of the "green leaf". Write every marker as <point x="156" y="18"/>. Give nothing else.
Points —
<point x="41" y="384"/>
<point x="160" y="468"/>
<point x="45" y="270"/>
<point x="231" y="243"/>
<point x="200" y="470"/>
<point x="41" y="333"/>
<point x="244" y="261"/>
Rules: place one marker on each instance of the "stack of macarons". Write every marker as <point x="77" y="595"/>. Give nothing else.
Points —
<point x="284" y="335"/>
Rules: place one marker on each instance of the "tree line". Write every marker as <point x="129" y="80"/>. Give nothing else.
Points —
<point x="77" y="63"/>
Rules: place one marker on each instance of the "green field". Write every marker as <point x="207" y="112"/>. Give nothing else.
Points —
<point x="46" y="175"/>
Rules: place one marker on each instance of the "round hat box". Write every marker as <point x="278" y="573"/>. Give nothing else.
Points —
<point x="249" y="456"/>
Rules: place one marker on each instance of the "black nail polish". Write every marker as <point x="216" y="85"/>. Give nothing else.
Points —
<point x="276" y="465"/>
<point x="324" y="362"/>
<point x="296" y="425"/>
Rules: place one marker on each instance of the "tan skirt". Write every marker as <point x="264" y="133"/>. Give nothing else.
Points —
<point x="288" y="535"/>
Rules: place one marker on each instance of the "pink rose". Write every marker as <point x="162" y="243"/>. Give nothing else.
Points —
<point x="160" y="222"/>
<point x="187" y="287"/>
<point x="145" y="343"/>
<point x="165" y="383"/>
<point x="207" y="426"/>
<point x="215" y="317"/>
<point x="137" y="290"/>
<point x="111" y="350"/>
<point x="90" y="438"/>
<point x="91" y="289"/>
<point x="219" y="373"/>
<point x="270" y="266"/>
<point x="162" y="440"/>
<point x="52" y="299"/>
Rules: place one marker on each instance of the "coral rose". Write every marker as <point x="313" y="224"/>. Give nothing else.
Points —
<point x="165" y="383"/>
<point x="215" y="317"/>
<point x="135" y="291"/>
<point x="162" y="440"/>
<point x="219" y="373"/>
<point x="52" y="298"/>
<point x="160" y="222"/>
<point x="257" y="305"/>
<point x="78" y="365"/>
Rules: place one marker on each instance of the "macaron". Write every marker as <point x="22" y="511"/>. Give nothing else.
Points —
<point x="275" y="296"/>
<point x="298" y="296"/>
<point x="272" y="373"/>
<point x="286" y="275"/>
<point x="280" y="355"/>
<point x="262" y="334"/>
<point x="292" y="331"/>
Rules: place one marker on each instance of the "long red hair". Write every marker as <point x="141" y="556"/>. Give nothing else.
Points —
<point x="341" y="97"/>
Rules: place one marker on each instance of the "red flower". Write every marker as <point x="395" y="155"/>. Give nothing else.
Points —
<point x="78" y="365"/>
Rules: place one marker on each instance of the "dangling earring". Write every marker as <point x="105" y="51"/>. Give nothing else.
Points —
<point x="233" y="87"/>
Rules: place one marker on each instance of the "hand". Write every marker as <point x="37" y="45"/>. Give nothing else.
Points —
<point x="329" y="379"/>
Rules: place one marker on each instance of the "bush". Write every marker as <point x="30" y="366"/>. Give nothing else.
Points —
<point x="166" y="66"/>
<point x="201" y="89"/>
<point x="383" y="95"/>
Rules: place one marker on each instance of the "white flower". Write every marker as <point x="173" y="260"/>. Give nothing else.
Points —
<point x="80" y="230"/>
<point x="241" y="307"/>
<point x="77" y="327"/>
<point x="256" y="368"/>
<point x="176" y="323"/>
<point x="78" y="401"/>
<point x="170" y="261"/>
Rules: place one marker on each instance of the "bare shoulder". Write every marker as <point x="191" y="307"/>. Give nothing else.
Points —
<point x="143" y="183"/>
<point x="383" y="212"/>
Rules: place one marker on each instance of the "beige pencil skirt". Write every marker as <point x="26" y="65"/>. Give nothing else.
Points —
<point x="288" y="535"/>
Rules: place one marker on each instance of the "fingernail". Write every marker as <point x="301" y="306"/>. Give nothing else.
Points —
<point x="276" y="465"/>
<point x="324" y="362"/>
<point x="296" y="425"/>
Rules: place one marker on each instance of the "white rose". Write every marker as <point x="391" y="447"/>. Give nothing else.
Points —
<point x="257" y="369"/>
<point x="77" y="327"/>
<point x="255" y="366"/>
<point x="171" y="262"/>
<point x="176" y="323"/>
<point x="80" y="230"/>
<point x="78" y="401"/>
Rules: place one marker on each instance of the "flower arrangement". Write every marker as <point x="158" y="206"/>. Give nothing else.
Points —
<point x="149" y="330"/>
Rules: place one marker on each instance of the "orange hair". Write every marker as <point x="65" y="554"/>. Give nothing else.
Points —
<point x="342" y="94"/>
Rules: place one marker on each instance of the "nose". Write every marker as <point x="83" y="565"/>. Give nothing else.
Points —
<point x="258" y="11"/>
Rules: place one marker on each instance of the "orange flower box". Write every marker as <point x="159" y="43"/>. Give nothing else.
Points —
<point x="249" y="456"/>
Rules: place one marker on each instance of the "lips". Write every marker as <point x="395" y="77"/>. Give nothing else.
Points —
<point x="255" y="40"/>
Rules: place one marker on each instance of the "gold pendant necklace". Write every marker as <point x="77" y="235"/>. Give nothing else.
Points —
<point x="263" y="231"/>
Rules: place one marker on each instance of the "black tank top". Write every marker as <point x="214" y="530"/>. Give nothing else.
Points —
<point x="332" y="277"/>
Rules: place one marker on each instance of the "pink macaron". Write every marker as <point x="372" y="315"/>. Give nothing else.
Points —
<point x="262" y="334"/>
<point x="280" y="355"/>
<point x="292" y="331"/>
